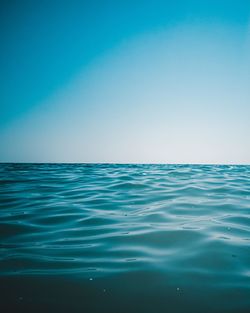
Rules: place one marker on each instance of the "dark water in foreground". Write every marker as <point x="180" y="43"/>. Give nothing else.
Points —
<point x="124" y="238"/>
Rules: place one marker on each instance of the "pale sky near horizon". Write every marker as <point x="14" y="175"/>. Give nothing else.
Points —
<point x="125" y="81"/>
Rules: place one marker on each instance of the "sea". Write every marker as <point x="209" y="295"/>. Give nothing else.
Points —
<point x="121" y="238"/>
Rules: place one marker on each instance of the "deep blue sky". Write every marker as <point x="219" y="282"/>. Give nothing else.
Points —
<point x="47" y="45"/>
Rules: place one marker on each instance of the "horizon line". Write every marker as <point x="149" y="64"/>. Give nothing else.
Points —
<point x="129" y="163"/>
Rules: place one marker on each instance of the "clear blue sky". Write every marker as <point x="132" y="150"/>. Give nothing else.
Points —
<point x="125" y="81"/>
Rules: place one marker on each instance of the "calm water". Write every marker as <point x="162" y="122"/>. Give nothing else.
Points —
<point x="124" y="238"/>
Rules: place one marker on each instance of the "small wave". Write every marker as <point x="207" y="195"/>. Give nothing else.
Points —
<point x="184" y="226"/>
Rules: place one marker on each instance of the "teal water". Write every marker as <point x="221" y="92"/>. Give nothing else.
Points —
<point x="124" y="238"/>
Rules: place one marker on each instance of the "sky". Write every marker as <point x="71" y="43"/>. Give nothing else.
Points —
<point x="125" y="81"/>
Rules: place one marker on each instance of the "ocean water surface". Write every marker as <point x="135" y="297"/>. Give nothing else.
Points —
<point x="124" y="238"/>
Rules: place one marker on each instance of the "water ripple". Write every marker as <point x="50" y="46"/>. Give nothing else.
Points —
<point x="190" y="223"/>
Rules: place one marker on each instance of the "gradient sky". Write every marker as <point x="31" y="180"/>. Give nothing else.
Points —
<point x="125" y="81"/>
